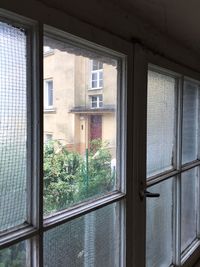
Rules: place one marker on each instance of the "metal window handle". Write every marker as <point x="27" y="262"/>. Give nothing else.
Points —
<point x="149" y="194"/>
<point x="145" y="193"/>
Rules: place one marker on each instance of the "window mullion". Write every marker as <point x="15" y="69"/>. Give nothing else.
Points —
<point x="177" y="199"/>
<point x="37" y="145"/>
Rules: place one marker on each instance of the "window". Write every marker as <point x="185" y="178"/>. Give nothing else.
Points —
<point x="96" y="101"/>
<point x="172" y="168"/>
<point x="48" y="94"/>
<point x="81" y="208"/>
<point x="97" y="75"/>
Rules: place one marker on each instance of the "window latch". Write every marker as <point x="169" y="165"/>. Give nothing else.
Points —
<point x="149" y="194"/>
<point x="146" y="193"/>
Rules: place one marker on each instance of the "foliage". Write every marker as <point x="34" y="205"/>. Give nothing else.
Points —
<point x="70" y="177"/>
<point x="14" y="256"/>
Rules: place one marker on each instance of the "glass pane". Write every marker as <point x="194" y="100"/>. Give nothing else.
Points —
<point x="190" y="120"/>
<point x="160" y="122"/>
<point x="80" y="161"/>
<point x="91" y="240"/>
<point x="94" y="84"/>
<point x="13" y="119"/>
<point x="159" y="225"/>
<point x="15" y="256"/>
<point x="94" y="76"/>
<point x="189" y="208"/>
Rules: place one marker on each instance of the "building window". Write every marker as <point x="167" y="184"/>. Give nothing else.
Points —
<point x="96" y="101"/>
<point x="97" y="75"/>
<point x="48" y="94"/>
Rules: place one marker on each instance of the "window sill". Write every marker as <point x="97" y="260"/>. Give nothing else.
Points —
<point x="94" y="89"/>
<point x="49" y="110"/>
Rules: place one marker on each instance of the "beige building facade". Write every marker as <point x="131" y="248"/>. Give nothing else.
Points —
<point x="80" y="96"/>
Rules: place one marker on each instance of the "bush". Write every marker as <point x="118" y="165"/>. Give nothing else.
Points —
<point x="70" y="178"/>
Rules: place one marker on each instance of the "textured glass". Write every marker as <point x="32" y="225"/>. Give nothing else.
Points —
<point x="188" y="208"/>
<point x="91" y="240"/>
<point x="12" y="126"/>
<point x="159" y="226"/>
<point x="15" y="256"/>
<point x="190" y="121"/>
<point x="160" y="122"/>
<point x="80" y="161"/>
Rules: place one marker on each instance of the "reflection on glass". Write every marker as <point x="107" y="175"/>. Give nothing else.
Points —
<point x="159" y="226"/>
<point x="15" y="256"/>
<point x="80" y="92"/>
<point x="188" y="208"/>
<point x="13" y="120"/>
<point x="160" y="122"/>
<point x="190" y="121"/>
<point x="91" y="240"/>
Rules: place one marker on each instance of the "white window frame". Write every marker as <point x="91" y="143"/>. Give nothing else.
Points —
<point x="98" y="72"/>
<point x="48" y="106"/>
<point x="98" y="102"/>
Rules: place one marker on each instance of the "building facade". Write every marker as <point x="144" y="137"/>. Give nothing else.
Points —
<point x="80" y="97"/>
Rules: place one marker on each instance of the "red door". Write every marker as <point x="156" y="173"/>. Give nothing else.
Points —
<point x="95" y="127"/>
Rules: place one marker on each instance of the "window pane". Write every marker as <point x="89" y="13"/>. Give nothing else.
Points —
<point x="190" y="120"/>
<point x="100" y="83"/>
<point x="94" y="84"/>
<point x="13" y="119"/>
<point x="189" y="207"/>
<point x="50" y="96"/>
<point x="159" y="225"/>
<point x="160" y="122"/>
<point x="101" y="75"/>
<point x="95" y="65"/>
<point x="91" y="240"/>
<point x="15" y="256"/>
<point x="80" y="162"/>
<point x="94" y="76"/>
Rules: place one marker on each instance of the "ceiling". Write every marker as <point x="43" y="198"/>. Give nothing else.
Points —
<point x="179" y="19"/>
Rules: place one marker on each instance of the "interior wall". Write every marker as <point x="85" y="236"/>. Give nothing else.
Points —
<point x="110" y="16"/>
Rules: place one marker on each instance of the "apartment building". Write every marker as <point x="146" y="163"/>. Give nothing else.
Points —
<point x="80" y="95"/>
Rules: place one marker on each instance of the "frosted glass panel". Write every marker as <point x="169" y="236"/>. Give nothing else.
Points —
<point x="13" y="120"/>
<point x="160" y="122"/>
<point x="189" y="208"/>
<point x="159" y="226"/>
<point x="190" y="120"/>
<point x="92" y="240"/>
<point x="15" y="256"/>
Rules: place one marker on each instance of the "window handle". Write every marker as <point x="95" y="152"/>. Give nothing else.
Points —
<point x="149" y="194"/>
<point x="145" y="193"/>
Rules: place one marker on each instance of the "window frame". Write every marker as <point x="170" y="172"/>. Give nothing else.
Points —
<point x="47" y="106"/>
<point x="98" y="102"/>
<point x="34" y="232"/>
<point x="163" y="66"/>
<point x="98" y="72"/>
